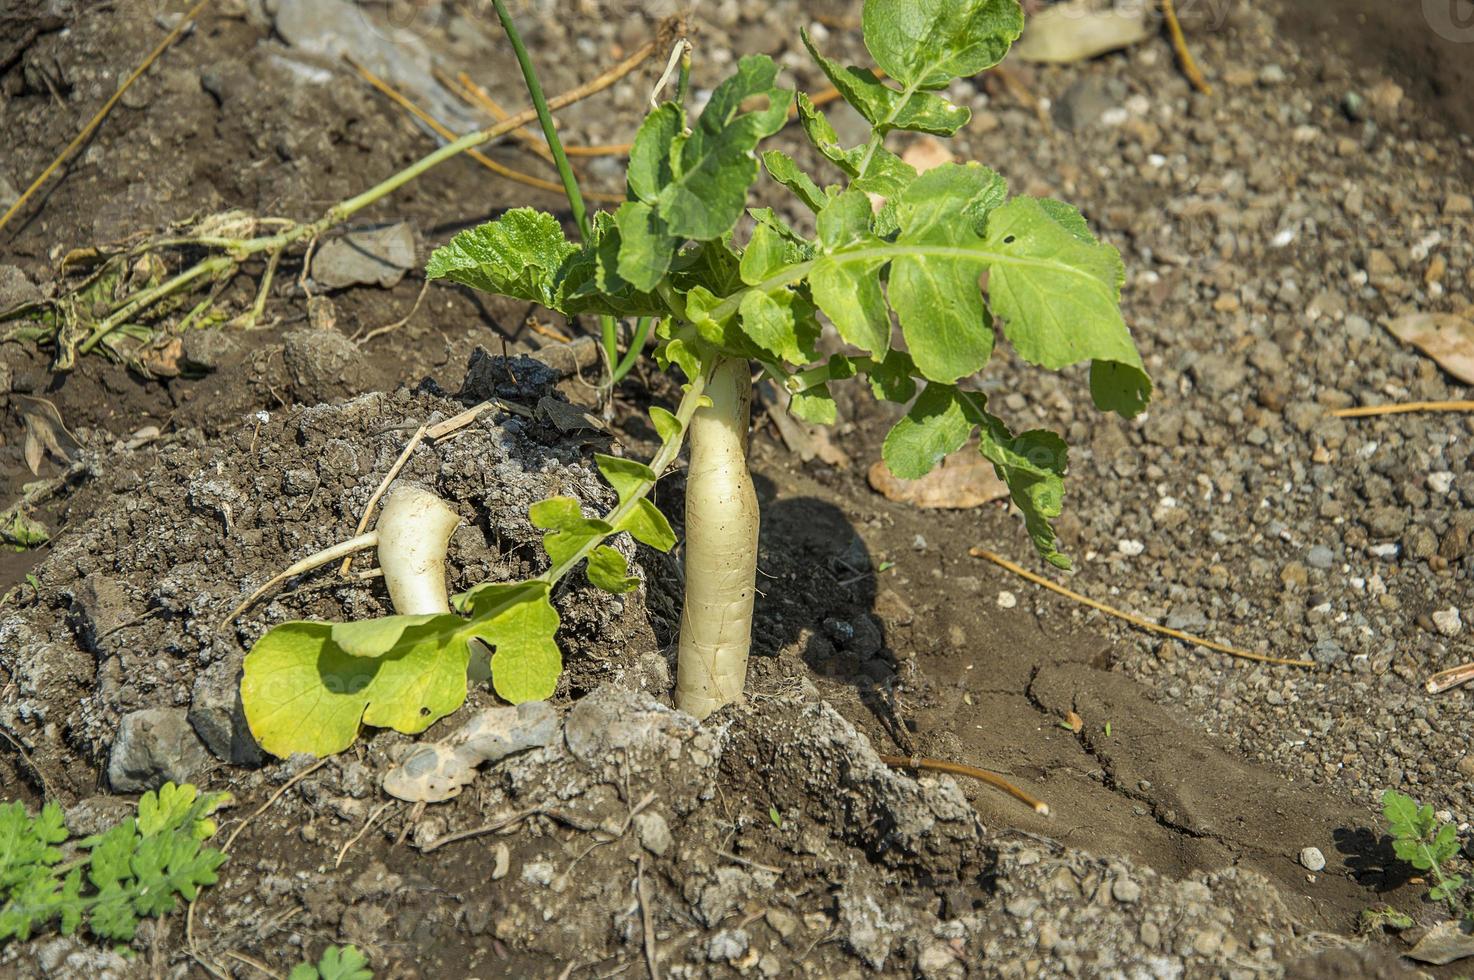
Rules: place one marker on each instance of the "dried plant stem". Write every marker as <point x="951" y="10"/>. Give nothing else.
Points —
<point x="1184" y="56"/>
<point x="972" y="772"/>
<point x="1137" y="621"/>
<point x="1399" y="408"/>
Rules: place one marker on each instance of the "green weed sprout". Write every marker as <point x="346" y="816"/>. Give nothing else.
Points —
<point x="725" y="310"/>
<point x="110" y="881"/>
<point x="1428" y="845"/>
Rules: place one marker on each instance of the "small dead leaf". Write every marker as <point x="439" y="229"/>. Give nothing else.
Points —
<point x="1448" y="338"/>
<point x="1074" y="722"/>
<point x="964" y="479"/>
<point x="566" y="417"/>
<point x="1074" y="31"/>
<point x="46" y="434"/>
<point x="163" y="361"/>
<point x="927" y="153"/>
<point x="1442" y="944"/>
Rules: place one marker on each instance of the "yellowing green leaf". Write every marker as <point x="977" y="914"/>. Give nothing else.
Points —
<point x="519" y="255"/>
<point x="769" y="320"/>
<point x="647" y="525"/>
<point x="886" y="108"/>
<point x="782" y="168"/>
<point x="646" y="246"/>
<point x="303" y="693"/>
<point x="667" y="426"/>
<point x="518" y="623"/>
<point x="849" y="293"/>
<point x="1033" y="464"/>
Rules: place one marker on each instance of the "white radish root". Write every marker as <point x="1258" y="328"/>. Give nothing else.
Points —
<point x="412" y="537"/>
<point x="721" y="548"/>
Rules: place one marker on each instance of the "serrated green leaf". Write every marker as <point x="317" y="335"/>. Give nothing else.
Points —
<point x="782" y="168"/>
<point x="667" y="426"/>
<point x="608" y="570"/>
<point x="518" y="622"/>
<point x="814" y="405"/>
<point x="1413" y="852"/>
<point x="772" y="323"/>
<point x="1033" y="464"/>
<point x="646" y="246"/>
<point x="927" y="43"/>
<point x="798" y="249"/>
<point x="520" y="255"/>
<point x="303" y="693"/>
<point x="647" y="525"/>
<point x="849" y="293"/>
<point x="1445" y="843"/>
<point x="650" y="166"/>
<point x="111" y="854"/>
<point x="886" y="175"/>
<point x="937" y="297"/>
<point x="591" y="282"/>
<point x="343" y="963"/>
<point x="1401" y="812"/>
<point x="715" y="166"/>
<point x="936" y="425"/>
<point x="886" y="108"/>
<point x="1058" y="294"/>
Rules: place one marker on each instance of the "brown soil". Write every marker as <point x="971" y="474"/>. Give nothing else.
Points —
<point x="868" y="606"/>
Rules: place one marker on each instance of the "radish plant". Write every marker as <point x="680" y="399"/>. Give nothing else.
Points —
<point x="888" y="241"/>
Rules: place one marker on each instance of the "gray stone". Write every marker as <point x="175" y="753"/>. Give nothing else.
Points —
<point x="1189" y="617"/>
<point x="653" y="831"/>
<point x="207" y="350"/>
<point x="1219" y="375"/>
<point x="1319" y="556"/>
<point x="16" y="288"/>
<point x="154" y="746"/>
<point x="1311" y="859"/>
<point x="1327" y="652"/>
<point x="378" y="257"/>
<point x="1085" y="102"/>
<point x="218" y="717"/>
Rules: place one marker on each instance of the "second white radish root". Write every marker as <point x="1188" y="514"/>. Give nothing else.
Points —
<point x="721" y="548"/>
<point x="414" y="532"/>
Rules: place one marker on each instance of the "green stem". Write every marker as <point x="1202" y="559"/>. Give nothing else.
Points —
<point x="637" y="344"/>
<point x="691" y="400"/>
<point x="545" y="119"/>
<point x="877" y="135"/>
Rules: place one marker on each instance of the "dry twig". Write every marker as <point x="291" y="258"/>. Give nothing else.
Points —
<point x="1184" y="56"/>
<point x="1137" y="621"/>
<point x="972" y="772"/>
<point x="1399" y="408"/>
<point x="443" y="130"/>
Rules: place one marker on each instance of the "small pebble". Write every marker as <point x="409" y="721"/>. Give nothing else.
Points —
<point x="1448" y="621"/>
<point x="1311" y="859"/>
<point x="1007" y="600"/>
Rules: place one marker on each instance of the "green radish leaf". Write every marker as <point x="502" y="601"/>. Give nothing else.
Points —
<point x="519" y="255"/>
<point x="849" y="293"/>
<point x="798" y="249"/>
<point x="647" y="525"/>
<point x="676" y="351"/>
<point x="378" y="637"/>
<point x="646" y="246"/>
<point x="608" y="570"/>
<point x="937" y="296"/>
<point x="651" y="168"/>
<point x="782" y="168"/>
<point x="667" y="426"/>
<point x="893" y="378"/>
<point x="765" y="254"/>
<point x="927" y="43"/>
<point x="591" y="283"/>
<point x="715" y="166"/>
<point x="1057" y="294"/>
<point x="1401" y="813"/>
<point x="937" y="424"/>
<point x="815" y="405"/>
<point x="568" y="529"/>
<point x="628" y="477"/>
<point x="770" y="321"/>
<point x="1033" y="465"/>
<point x="518" y="623"/>
<point x="886" y="108"/>
<point x="303" y="693"/>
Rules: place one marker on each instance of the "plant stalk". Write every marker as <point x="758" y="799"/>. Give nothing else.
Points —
<point x="721" y="548"/>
